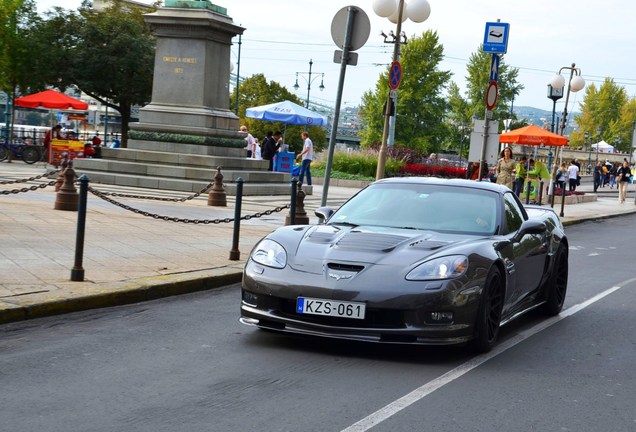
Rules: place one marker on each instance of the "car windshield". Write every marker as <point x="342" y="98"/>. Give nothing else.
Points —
<point x="423" y="207"/>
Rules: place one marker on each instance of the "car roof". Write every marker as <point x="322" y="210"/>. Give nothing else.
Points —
<point x="483" y="185"/>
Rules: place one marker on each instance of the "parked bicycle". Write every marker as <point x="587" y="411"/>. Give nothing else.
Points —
<point x="28" y="153"/>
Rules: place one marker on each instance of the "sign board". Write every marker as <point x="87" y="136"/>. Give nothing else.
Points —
<point x="361" y="28"/>
<point x="494" y="68"/>
<point x="395" y="75"/>
<point x="491" y="95"/>
<point x="496" y="37"/>
<point x="492" y="144"/>
<point x="351" y="61"/>
<point x="61" y="148"/>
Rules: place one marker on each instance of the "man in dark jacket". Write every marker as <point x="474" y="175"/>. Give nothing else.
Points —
<point x="271" y="143"/>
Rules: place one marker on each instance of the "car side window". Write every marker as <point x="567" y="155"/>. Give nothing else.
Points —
<point x="514" y="215"/>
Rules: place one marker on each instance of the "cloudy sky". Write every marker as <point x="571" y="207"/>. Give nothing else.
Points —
<point x="281" y="36"/>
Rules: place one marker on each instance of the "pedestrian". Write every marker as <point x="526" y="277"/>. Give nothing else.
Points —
<point x="53" y="134"/>
<point x="249" y="139"/>
<point x="306" y="156"/>
<point x="270" y="147"/>
<point x="624" y="175"/>
<point x="598" y="175"/>
<point x="561" y="175"/>
<point x="521" y="172"/>
<point x="505" y="166"/>
<point x="573" y="176"/>
<point x="612" y="174"/>
<point x="257" y="150"/>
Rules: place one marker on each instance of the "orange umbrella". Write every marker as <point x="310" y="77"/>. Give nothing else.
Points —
<point x="51" y="99"/>
<point x="532" y="135"/>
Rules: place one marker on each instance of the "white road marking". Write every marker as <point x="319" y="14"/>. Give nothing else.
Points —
<point x="419" y="393"/>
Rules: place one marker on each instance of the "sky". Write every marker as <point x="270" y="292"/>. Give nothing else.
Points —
<point x="282" y="36"/>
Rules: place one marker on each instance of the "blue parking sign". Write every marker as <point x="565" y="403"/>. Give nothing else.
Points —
<point x="496" y="37"/>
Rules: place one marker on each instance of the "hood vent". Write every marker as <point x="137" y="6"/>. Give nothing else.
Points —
<point x="356" y="240"/>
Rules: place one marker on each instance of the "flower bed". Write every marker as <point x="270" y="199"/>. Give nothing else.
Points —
<point x="447" y="171"/>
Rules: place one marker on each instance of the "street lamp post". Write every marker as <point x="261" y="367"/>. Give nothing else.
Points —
<point x="309" y="80"/>
<point x="418" y="11"/>
<point x="599" y="131"/>
<point x="588" y="141"/>
<point x="555" y="94"/>
<point x="575" y="83"/>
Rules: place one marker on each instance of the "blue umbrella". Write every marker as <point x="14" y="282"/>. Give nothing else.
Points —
<point x="286" y="112"/>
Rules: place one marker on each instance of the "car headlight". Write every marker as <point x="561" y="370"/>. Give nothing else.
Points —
<point x="270" y="254"/>
<point x="448" y="267"/>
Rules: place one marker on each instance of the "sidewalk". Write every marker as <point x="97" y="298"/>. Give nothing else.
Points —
<point x="129" y="257"/>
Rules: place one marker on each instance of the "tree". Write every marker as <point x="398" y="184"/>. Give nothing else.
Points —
<point x="605" y="109"/>
<point x="256" y="91"/>
<point x="108" y="54"/>
<point x="477" y="83"/>
<point x="421" y="105"/>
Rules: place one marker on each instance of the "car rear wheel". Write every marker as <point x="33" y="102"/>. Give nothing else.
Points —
<point x="557" y="284"/>
<point x="489" y="313"/>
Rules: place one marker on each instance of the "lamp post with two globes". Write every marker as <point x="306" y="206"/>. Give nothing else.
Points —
<point x="417" y="11"/>
<point x="575" y="83"/>
<point x="309" y="81"/>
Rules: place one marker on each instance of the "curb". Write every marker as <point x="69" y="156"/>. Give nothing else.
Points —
<point x="140" y="290"/>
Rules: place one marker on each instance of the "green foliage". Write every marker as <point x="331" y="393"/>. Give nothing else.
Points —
<point x="607" y="108"/>
<point x="363" y="163"/>
<point x="186" y="139"/>
<point x="421" y="106"/>
<point x="256" y="91"/>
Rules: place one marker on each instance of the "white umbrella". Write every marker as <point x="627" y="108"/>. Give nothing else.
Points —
<point x="286" y="112"/>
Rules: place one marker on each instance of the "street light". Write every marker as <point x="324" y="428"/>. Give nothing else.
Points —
<point x="599" y="131"/>
<point x="589" y="153"/>
<point x="555" y="94"/>
<point x="309" y="80"/>
<point x="575" y="83"/>
<point x="417" y="11"/>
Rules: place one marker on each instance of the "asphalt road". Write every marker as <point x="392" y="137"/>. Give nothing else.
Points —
<point x="186" y="364"/>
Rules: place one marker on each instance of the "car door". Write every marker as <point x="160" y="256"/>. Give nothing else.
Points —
<point x="525" y="257"/>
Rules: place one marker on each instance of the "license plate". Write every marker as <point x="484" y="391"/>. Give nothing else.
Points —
<point x="335" y="308"/>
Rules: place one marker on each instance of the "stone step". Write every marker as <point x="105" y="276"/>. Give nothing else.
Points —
<point x="185" y="172"/>
<point x="184" y="185"/>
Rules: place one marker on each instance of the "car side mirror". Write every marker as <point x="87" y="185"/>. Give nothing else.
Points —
<point x="530" y="227"/>
<point x="323" y="214"/>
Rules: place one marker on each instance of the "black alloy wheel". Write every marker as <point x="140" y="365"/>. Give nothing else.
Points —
<point x="557" y="285"/>
<point x="489" y="313"/>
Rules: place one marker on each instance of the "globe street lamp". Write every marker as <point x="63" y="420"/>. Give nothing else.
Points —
<point x="417" y="11"/>
<point x="309" y="80"/>
<point x="575" y="83"/>
<point x="555" y="94"/>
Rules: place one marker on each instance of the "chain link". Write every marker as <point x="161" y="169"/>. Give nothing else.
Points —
<point x="148" y="197"/>
<point x="25" y="189"/>
<point x="5" y="182"/>
<point x="105" y="197"/>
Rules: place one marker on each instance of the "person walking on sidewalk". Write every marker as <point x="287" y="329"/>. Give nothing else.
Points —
<point x="598" y="173"/>
<point x="573" y="175"/>
<point x="306" y="156"/>
<point x="521" y="172"/>
<point x="624" y="175"/>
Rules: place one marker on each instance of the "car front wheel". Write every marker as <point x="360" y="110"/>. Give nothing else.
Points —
<point x="557" y="284"/>
<point x="489" y="313"/>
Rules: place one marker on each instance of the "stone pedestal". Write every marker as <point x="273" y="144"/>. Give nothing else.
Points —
<point x="191" y="77"/>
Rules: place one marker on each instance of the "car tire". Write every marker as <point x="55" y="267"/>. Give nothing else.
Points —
<point x="557" y="285"/>
<point x="489" y="313"/>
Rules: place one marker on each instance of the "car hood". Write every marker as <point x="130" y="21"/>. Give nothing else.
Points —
<point x="310" y="248"/>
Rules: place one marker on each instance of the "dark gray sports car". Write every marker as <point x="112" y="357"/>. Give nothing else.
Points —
<point x="410" y="261"/>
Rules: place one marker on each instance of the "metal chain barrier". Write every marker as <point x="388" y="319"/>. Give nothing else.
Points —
<point x="25" y="189"/>
<point x="104" y="196"/>
<point x="5" y="182"/>
<point x="148" y="197"/>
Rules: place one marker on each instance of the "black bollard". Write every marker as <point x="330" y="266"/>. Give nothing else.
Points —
<point x="540" y="192"/>
<point x="528" y="192"/>
<point x="291" y="218"/>
<point x="562" y="200"/>
<point x="77" y="273"/>
<point x="235" y="254"/>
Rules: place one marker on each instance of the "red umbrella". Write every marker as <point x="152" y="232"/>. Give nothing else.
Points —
<point x="50" y="99"/>
<point x="532" y="135"/>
